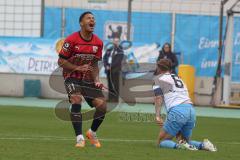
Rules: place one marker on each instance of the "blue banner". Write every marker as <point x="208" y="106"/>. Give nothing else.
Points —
<point x="52" y="23"/>
<point x="28" y="55"/>
<point x="197" y="39"/>
<point x="38" y="55"/>
<point x="146" y="27"/>
<point x="236" y="51"/>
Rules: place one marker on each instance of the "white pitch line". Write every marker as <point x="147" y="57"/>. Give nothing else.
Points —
<point x="128" y="140"/>
<point x="52" y="138"/>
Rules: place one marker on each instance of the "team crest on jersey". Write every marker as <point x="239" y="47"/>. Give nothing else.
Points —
<point x="95" y="49"/>
<point x="76" y="47"/>
<point x="66" y="46"/>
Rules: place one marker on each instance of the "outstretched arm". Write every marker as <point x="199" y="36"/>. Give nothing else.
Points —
<point x="158" y="105"/>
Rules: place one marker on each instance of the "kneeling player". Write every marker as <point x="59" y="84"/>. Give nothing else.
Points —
<point x="180" y="120"/>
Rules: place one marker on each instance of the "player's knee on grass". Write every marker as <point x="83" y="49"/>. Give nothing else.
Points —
<point x="76" y="99"/>
<point x="164" y="135"/>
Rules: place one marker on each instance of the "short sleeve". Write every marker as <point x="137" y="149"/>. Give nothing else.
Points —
<point x="157" y="90"/>
<point x="99" y="52"/>
<point x="66" y="50"/>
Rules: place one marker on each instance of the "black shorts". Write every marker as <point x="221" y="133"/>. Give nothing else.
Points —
<point x="87" y="89"/>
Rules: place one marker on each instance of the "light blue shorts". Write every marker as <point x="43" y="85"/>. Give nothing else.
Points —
<point x="181" y="119"/>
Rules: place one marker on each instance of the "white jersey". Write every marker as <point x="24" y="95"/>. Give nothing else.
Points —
<point x="172" y="88"/>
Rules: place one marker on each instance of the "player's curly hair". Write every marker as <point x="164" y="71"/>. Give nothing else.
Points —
<point x="164" y="65"/>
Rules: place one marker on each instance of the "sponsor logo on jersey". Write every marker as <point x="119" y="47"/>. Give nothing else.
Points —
<point x="85" y="56"/>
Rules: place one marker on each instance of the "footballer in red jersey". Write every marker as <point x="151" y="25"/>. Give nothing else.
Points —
<point x="79" y="58"/>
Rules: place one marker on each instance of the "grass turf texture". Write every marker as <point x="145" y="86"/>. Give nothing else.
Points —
<point x="36" y="134"/>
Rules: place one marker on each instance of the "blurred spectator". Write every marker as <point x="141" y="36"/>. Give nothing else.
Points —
<point x="166" y="53"/>
<point x="112" y="60"/>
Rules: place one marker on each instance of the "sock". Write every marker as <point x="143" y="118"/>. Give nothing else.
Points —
<point x="92" y="131"/>
<point x="198" y="145"/>
<point x="98" y="119"/>
<point x="79" y="137"/>
<point x="76" y="118"/>
<point x="168" y="144"/>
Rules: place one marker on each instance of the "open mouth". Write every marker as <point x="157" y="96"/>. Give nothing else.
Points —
<point x="91" y="25"/>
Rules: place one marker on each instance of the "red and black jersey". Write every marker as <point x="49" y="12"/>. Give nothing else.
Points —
<point x="79" y="51"/>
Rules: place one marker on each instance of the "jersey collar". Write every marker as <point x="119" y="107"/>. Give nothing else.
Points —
<point x="85" y="39"/>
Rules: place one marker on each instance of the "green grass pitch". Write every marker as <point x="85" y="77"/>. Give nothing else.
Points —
<point x="36" y="134"/>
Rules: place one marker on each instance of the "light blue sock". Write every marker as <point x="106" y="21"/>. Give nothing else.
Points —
<point x="168" y="144"/>
<point x="197" y="144"/>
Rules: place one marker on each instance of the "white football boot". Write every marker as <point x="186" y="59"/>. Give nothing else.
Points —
<point x="185" y="146"/>
<point x="207" y="145"/>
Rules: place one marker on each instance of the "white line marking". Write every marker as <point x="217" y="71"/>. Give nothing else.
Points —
<point x="56" y="138"/>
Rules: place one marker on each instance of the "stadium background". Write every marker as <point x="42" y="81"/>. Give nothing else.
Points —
<point x="191" y="26"/>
